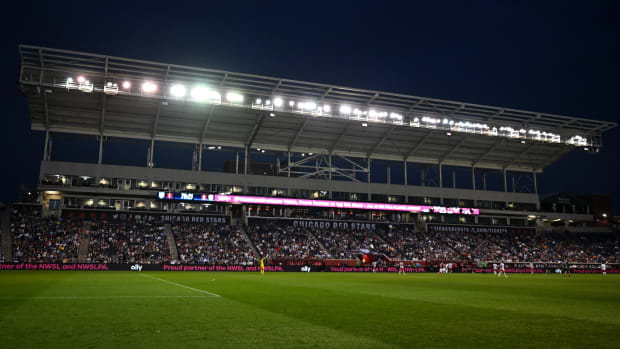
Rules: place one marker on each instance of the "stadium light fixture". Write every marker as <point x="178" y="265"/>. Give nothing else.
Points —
<point x="126" y="85"/>
<point x="448" y="134"/>
<point x="364" y="124"/>
<point x="149" y="87"/>
<point x="177" y="91"/>
<point x="268" y="102"/>
<point x="234" y="97"/>
<point x="110" y="88"/>
<point x="258" y="101"/>
<point x="202" y="93"/>
<point x="273" y="115"/>
<point x="307" y="105"/>
<point x="81" y="79"/>
<point x="291" y="103"/>
<point x="345" y="109"/>
<point x="326" y="108"/>
<point x="277" y="102"/>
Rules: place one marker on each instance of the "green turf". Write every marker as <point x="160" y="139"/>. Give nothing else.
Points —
<point x="306" y="310"/>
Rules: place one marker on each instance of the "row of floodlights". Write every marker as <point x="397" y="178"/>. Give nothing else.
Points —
<point x="201" y="93"/>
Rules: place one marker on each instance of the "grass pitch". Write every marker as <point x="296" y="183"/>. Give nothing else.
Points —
<point x="305" y="310"/>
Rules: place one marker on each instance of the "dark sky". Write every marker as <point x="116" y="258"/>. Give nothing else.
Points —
<point x="555" y="57"/>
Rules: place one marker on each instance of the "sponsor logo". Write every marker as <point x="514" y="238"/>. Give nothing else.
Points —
<point x="305" y="269"/>
<point x="136" y="267"/>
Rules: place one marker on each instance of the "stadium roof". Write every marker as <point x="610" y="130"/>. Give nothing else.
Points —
<point x="83" y="93"/>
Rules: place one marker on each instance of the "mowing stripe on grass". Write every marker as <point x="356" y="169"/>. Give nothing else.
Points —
<point x="181" y="285"/>
<point x="97" y="297"/>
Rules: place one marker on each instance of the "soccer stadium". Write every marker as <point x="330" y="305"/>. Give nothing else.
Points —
<point x="308" y="215"/>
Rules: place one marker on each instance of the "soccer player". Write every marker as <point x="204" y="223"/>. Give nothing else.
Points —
<point x="374" y="266"/>
<point x="401" y="268"/>
<point x="262" y="266"/>
<point x="565" y="269"/>
<point x="494" y="268"/>
<point x="604" y="269"/>
<point x="502" y="269"/>
<point x="531" y="268"/>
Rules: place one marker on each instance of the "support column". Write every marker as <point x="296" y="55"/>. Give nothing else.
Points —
<point x="505" y="185"/>
<point x="200" y="157"/>
<point x="152" y="152"/>
<point x="473" y="178"/>
<point x="484" y="180"/>
<point x="369" y="191"/>
<point x="535" y="184"/>
<point x="100" y="150"/>
<point x="440" y="176"/>
<point x="514" y="186"/>
<point x="330" y="175"/>
<point x="453" y="179"/>
<point x="389" y="180"/>
<point x="422" y="175"/>
<point x="406" y="193"/>
<point x="237" y="163"/>
<point x="47" y="140"/>
<point x="245" y="166"/>
<point x="289" y="165"/>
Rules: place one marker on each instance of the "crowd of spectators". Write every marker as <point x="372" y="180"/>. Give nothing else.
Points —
<point x="347" y="244"/>
<point x="509" y="247"/>
<point x="212" y="244"/>
<point x="284" y="241"/>
<point x="45" y="240"/>
<point x="135" y="242"/>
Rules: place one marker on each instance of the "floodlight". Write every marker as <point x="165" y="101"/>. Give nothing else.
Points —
<point x="258" y="101"/>
<point x="268" y="102"/>
<point x="177" y="90"/>
<point x="345" y="109"/>
<point x="326" y="108"/>
<point x="126" y="85"/>
<point x="200" y="93"/>
<point x="81" y="79"/>
<point x="277" y="102"/>
<point x="291" y="103"/>
<point x="149" y="87"/>
<point x="234" y="97"/>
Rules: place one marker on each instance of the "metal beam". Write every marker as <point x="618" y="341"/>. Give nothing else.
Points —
<point x="291" y="144"/>
<point x="489" y="151"/>
<point x="383" y="139"/>
<point x="340" y="137"/>
<point x="418" y="145"/>
<point x="257" y="125"/>
<point x="451" y="151"/>
<point x="203" y="134"/>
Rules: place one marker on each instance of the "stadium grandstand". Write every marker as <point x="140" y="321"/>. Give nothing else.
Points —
<point x="314" y="174"/>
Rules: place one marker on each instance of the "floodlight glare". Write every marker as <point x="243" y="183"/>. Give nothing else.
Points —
<point x="126" y="85"/>
<point x="200" y="93"/>
<point x="177" y="90"/>
<point x="69" y="80"/>
<point x="81" y="79"/>
<point x="234" y="97"/>
<point x="258" y="101"/>
<point x="291" y="103"/>
<point x="277" y="102"/>
<point x="326" y="108"/>
<point x="268" y="102"/>
<point x="345" y="109"/>
<point x="149" y="87"/>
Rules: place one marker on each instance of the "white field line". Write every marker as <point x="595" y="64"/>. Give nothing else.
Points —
<point x="98" y="297"/>
<point x="181" y="285"/>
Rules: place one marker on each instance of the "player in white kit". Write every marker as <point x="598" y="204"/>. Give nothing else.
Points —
<point x="604" y="269"/>
<point x="531" y="268"/>
<point x="494" y="268"/>
<point x="401" y="268"/>
<point x="374" y="266"/>
<point x="502" y="269"/>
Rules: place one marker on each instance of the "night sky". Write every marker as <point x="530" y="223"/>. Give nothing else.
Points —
<point x="554" y="57"/>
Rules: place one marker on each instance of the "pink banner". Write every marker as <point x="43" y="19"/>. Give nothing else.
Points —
<point x="238" y="199"/>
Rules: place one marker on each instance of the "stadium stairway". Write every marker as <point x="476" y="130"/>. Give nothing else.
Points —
<point x="172" y="245"/>
<point x="318" y="242"/>
<point x="248" y="241"/>
<point x="5" y="237"/>
<point x="84" y="242"/>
